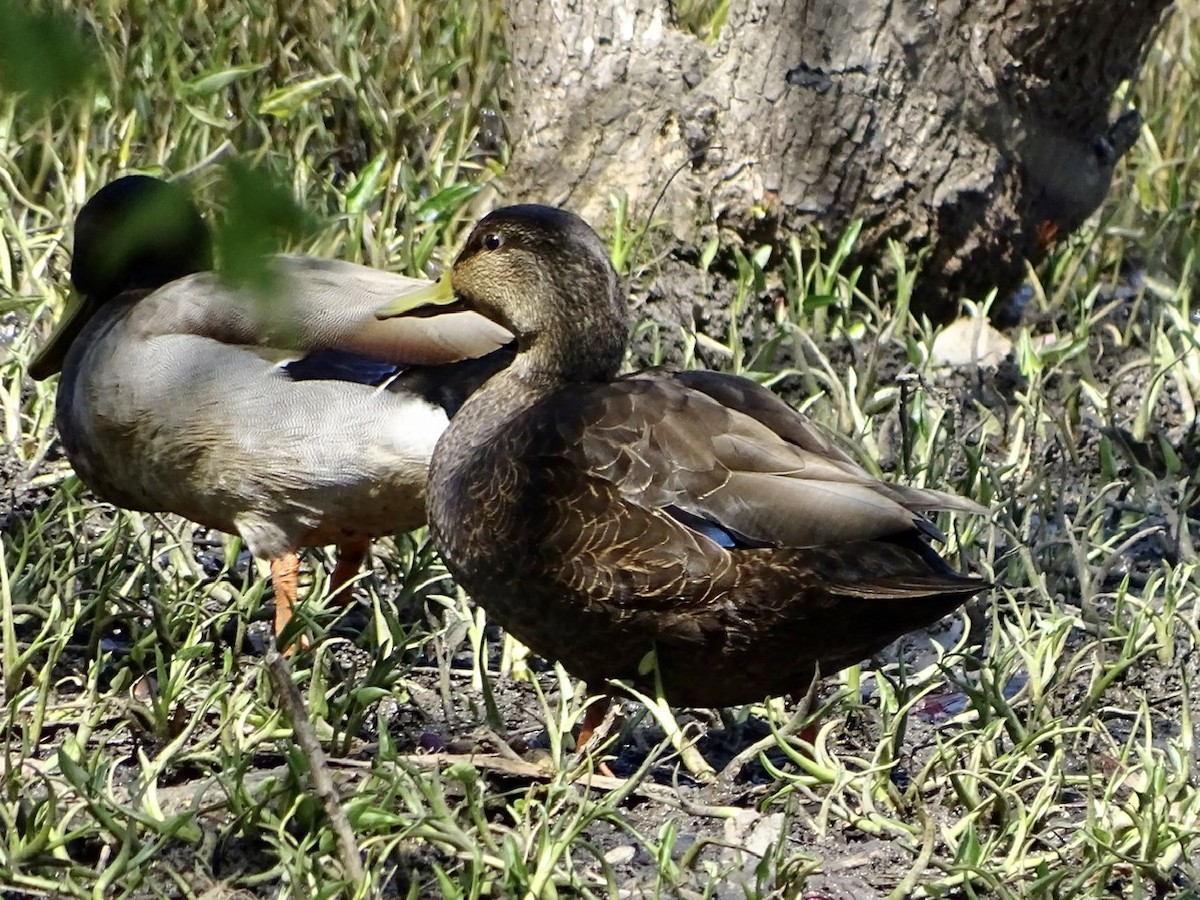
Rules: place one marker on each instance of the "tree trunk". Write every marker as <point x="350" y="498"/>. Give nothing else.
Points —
<point x="980" y="131"/>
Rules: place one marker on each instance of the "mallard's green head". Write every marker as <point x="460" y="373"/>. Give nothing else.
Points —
<point x="135" y="234"/>
<point x="545" y="275"/>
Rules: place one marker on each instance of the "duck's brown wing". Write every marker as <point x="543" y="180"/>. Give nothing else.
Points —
<point x="753" y="400"/>
<point x="318" y="304"/>
<point x="730" y="461"/>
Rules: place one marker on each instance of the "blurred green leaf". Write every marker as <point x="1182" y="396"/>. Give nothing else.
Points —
<point x="261" y="218"/>
<point x="288" y="101"/>
<point x="217" y="80"/>
<point x="44" y="54"/>
<point x="463" y="772"/>
<point x="819" y="301"/>
<point x="209" y="119"/>
<point x="368" y="695"/>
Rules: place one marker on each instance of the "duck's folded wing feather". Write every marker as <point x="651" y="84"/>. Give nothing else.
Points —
<point x="726" y="452"/>
<point x="318" y="304"/>
<point x="768" y="409"/>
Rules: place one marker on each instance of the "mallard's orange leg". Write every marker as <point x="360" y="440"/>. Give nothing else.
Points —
<point x="591" y="721"/>
<point x="285" y="581"/>
<point x="349" y="563"/>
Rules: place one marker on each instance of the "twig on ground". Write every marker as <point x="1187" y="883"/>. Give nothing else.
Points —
<point x="318" y="765"/>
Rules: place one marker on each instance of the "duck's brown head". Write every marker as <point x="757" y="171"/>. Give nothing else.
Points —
<point x="545" y="275"/>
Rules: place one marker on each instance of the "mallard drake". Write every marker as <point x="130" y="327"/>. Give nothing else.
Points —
<point x="696" y="514"/>
<point x="283" y="419"/>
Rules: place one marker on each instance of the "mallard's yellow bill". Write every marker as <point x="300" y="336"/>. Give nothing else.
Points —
<point x="440" y="293"/>
<point x="49" y="360"/>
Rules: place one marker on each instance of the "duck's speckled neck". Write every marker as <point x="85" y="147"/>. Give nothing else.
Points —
<point x="493" y="406"/>
<point x="567" y="354"/>
<point x="474" y="451"/>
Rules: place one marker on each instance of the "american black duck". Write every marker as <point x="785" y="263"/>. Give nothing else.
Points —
<point x="597" y="517"/>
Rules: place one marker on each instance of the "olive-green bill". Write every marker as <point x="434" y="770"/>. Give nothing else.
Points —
<point x="440" y="293"/>
<point x="49" y="360"/>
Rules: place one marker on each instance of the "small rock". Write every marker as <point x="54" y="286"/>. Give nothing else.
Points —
<point x="970" y="341"/>
<point x="430" y="743"/>
<point x="619" y="856"/>
<point x="144" y="690"/>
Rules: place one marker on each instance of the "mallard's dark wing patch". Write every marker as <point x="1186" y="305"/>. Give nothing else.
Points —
<point x="449" y="385"/>
<point x="753" y="400"/>
<point x="340" y="365"/>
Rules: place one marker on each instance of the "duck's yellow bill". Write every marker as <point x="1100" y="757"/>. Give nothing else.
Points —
<point x="440" y="293"/>
<point x="49" y="360"/>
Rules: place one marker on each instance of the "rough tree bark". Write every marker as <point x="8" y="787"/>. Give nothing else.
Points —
<point x="981" y="131"/>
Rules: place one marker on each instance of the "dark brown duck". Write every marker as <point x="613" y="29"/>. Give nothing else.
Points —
<point x="599" y="517"/>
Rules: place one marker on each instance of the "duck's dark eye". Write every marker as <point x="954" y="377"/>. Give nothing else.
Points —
<point x="492" y="242"/>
